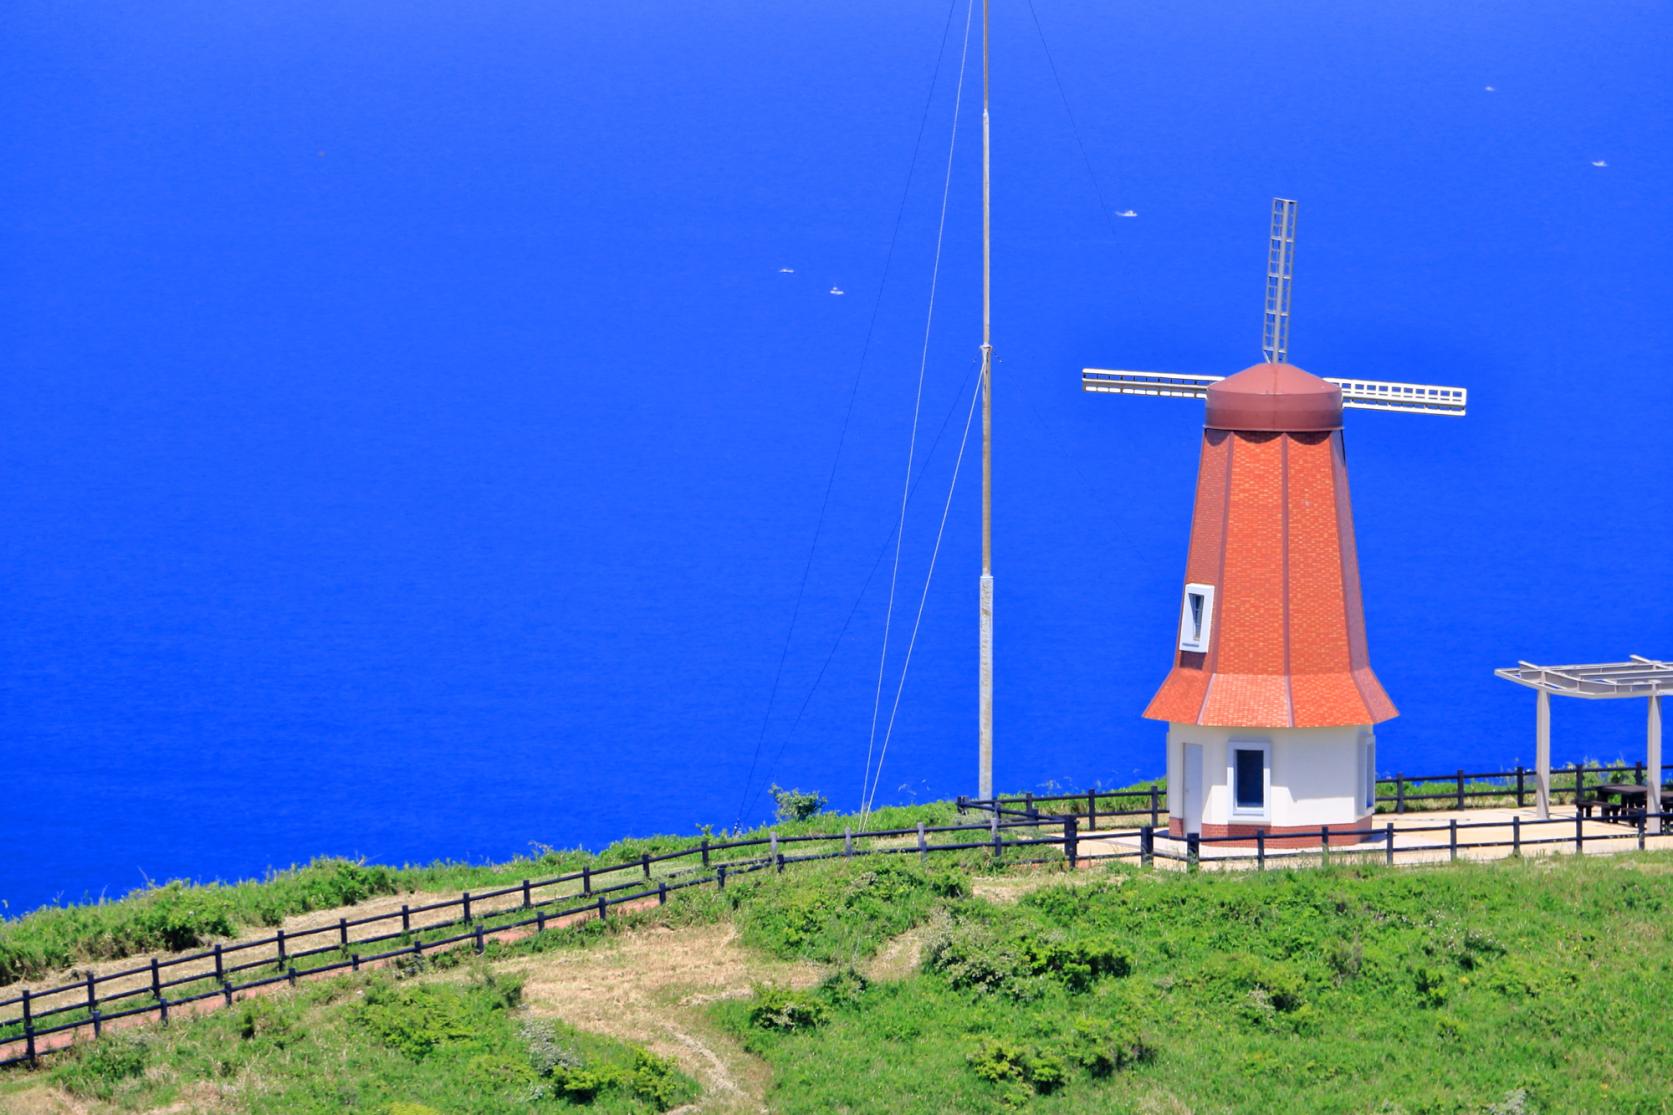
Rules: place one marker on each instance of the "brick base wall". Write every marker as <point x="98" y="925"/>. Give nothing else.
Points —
<point x="1278" y="836"/>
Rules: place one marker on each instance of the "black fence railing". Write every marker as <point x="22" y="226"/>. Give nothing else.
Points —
<point x="39" y="1020"/>
<point x="1401" y="793"/>
<point x="43" y="1020"/>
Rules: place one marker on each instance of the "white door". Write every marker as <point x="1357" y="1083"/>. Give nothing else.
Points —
<point x="1192" y="797"/>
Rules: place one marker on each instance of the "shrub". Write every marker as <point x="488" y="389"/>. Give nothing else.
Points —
<point x="780" y="1008"/>
<point x="1103" y="1047"/>
<point x="1004" y="1062"/>
<point x="974" y="956"/>
<point x="796" y="805"/>
<point x="415" y="1021"/>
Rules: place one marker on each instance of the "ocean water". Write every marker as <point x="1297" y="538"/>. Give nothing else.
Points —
<point x="416" y="421"/>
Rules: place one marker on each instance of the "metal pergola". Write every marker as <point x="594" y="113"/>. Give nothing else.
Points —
<point x="1636" y="677"/>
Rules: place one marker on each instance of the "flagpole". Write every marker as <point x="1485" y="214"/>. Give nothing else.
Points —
<point x="985" y="713"/>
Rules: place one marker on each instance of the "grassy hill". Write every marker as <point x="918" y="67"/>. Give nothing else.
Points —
<point x="1537" y="985"/>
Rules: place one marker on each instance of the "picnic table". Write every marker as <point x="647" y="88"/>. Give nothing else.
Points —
<point x="1616" y="798"/>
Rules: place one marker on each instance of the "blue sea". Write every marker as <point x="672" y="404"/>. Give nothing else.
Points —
<point x="417" y="419"/>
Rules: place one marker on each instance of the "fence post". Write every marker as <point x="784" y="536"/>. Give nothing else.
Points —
<point x="1091" y="810"/>
<point x="1147" y="845"/>
<point x="226" y="990"/>
<point x="1155" y="807"/>
<point x="662" y="894"/>
<point x="466" y="907"/>
<point x="720" y="877"/>
<point x="220" y="973"/>
<point x="1260" y="849"/>
<point x="1579" y="833"/>
<point x="1516" y="836"/>
<point x="993" y="823"/>
<point x="1579" y="781"/>
<point x="162" y="1004"/>
<point x="772" y="849"/>
<point x="586" y="880"/>
<point x="1028" y="804"/>
<point x="354" y="962"/>
<point x="1643" y="823"/>
<point x="1460" y="803"/>
<point x="1638" y="772"/>
<point x="1071" y="841"/>
<point x="603" y="908"/>
<point x="1324" y="845"/>
<point x="156" y="977"/>
<point x="279" y="939"/>
<point x="923" y="848"/>
<point x="1388" y="843"/>
<point x="645" y="859"/>
<point x="540" y="921"/>
<point x="406" y="919"/>
<point x="28" y="1028"/>
<point x="1193" y="849"/>
<point x="343" y="932"/>
<point x="528" y="898"/>
<point x="290" y="973"/>
<point x="1452" y="839"/>
<point x="92" y="999"/>
<point x="848" y="843"/>
<point x="1521" y="785"/>
<point x="1399" y="793"/>
<point x="479" y="942"/>
<point x="705" y="851"/>
<point x="961" y="803"/>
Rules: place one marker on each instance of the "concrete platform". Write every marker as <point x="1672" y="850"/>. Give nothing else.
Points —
<point x="1418" y="838"/>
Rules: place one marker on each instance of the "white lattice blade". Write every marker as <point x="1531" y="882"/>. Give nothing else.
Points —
<point x="1408" y="398"/>
<point x="1280" y="271"/>
<point x="1170" y="385"/>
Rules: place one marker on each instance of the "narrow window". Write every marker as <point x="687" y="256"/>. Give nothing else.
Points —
<point x="1249" y="779"/>
<point x="1196" y="618"/>
<point x="1368" y="771"/>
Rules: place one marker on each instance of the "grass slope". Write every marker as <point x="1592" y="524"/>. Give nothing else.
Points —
<point x="1523" y="986"/>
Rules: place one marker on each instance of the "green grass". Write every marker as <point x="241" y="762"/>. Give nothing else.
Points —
<point x="1537" y="985"/>
<point x="1525" y="986"/>
<point x="182" y="915"/>
<point x="376" y="1043"/>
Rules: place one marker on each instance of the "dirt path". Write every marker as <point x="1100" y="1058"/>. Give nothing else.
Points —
<point x="652" y="987"/>
<point x="296" y="924"/>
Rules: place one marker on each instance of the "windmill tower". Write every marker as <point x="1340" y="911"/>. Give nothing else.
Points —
<point x="1271" y="703"/>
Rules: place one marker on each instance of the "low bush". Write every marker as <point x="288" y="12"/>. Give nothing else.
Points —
<point x="780" y="1008"/>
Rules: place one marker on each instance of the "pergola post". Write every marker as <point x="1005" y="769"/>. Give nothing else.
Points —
<point x="1542" y="753"/>
<point x="1652" y="758"/>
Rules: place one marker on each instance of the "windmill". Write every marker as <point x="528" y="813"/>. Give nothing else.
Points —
<point x="1271" y="700"/>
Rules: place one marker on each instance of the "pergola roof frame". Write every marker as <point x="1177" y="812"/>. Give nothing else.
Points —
<point x="1636" y="677"/>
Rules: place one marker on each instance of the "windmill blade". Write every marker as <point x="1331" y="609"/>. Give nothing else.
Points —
<point x="1359" y="394"/>
<point x="1406" y="398"/>
<point x="1170" y="385"/>
<point x="1280" y="269"/>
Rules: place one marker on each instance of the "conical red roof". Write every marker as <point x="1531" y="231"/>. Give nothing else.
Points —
<point x="1274" y="397"/>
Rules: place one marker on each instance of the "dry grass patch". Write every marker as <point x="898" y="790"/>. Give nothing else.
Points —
<point x="651" y="986"/>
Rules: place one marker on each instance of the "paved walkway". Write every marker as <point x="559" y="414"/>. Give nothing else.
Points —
<point x="1419" y="838"/>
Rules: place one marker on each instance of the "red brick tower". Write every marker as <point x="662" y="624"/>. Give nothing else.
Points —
<point x="1273" y="534"/>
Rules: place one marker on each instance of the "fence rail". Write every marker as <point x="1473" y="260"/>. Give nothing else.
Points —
<point x="39" y="1021"/>
<point x="1395" y="791"/>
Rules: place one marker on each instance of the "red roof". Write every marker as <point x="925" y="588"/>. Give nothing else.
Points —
<point x="1273" y="532"/>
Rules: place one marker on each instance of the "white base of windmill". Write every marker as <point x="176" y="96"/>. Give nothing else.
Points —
<point x="1285" y="782"/>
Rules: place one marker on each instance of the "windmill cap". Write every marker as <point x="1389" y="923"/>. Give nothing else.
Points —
<point x="1277" y="398"/>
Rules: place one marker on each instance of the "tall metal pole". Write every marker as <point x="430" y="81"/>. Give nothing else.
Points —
<point x="984" y="779"/>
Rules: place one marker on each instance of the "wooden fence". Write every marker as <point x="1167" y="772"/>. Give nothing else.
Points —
<point x="40" y="1021"/>
<point x="1402" y="792"/>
